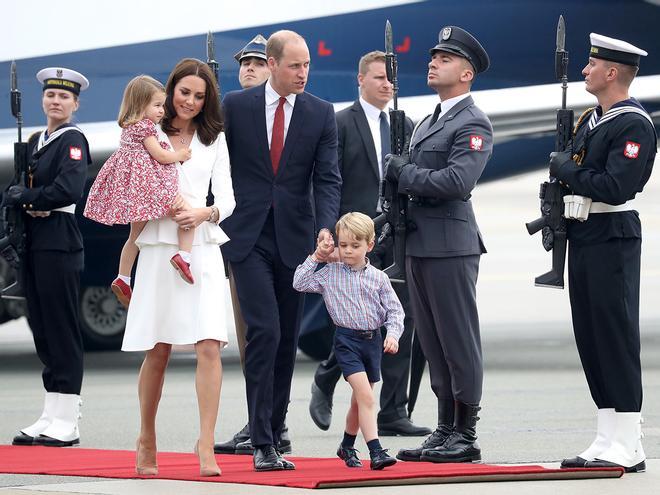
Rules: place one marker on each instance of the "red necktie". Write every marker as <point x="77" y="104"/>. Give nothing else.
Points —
<point x="277" y="139"/>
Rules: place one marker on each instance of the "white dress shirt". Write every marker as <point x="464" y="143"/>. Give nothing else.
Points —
<point x="373" y="119"/>
<point x="448" y="104"/>
<point x="272" y="100"/>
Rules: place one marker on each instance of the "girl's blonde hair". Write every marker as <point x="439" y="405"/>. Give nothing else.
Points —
<point x="137" y="95"/>
<point x="357" y="224"/>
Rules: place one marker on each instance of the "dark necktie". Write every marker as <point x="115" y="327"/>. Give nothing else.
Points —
<point x="436" y="114"/>
<point x="385" y="145"/>
<point x="277" y="139"/>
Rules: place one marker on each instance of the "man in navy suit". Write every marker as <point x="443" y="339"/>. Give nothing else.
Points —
<point x="282" y="143"/>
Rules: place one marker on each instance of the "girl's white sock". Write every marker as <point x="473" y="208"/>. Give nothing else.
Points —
<point x="186" y="256"/>
<point x="125" y="279"/>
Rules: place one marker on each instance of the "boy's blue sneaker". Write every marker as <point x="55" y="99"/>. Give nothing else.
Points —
<point x="349" y="456"/>
<point x="381" y="459"/>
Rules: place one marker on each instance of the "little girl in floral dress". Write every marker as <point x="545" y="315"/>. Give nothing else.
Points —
<point x="139" y="181"/>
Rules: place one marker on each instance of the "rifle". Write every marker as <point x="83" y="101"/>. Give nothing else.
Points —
<point x="210" y="59"/>
<point x="12" y="245"/>
<point x="393" y="205"/>
<point x="552" y="222"/>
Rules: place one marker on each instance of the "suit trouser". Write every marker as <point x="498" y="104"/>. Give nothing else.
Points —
<point x="395" y="368"/>
<point x="272" y="309"/>
<point x="443" y="300"/>
<point x="52" y="291"/>
<point x="604" y="292"/>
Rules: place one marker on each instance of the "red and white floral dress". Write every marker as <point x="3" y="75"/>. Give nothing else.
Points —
<point x="132" y="186"/>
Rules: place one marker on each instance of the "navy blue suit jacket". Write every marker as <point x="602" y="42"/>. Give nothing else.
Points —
<point x="308" y="163"/>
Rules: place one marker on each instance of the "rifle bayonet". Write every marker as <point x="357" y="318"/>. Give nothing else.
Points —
<point x="210" y="58"/>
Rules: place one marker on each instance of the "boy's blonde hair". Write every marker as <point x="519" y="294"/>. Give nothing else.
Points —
<point x="358" y="224"/>
<point x="137" y="95"/>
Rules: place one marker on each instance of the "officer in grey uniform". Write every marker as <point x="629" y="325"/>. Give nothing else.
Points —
<point x="253" y="69"/>
<point x="614" y="150"/>
<point x="448" y="152"/>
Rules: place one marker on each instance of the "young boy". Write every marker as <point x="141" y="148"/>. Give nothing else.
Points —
<point x="360" y="300"/>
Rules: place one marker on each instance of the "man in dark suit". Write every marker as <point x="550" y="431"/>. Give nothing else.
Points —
<point x="364" y="140"/>
<point x="448" y="153"/>
<point x="282" y="142"/>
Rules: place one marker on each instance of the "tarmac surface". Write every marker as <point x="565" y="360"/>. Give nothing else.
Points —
<point x="536" y="405"/>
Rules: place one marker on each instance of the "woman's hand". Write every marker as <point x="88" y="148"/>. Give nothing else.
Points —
<point x="190" y="218"/>
<point x="178" y="205"/>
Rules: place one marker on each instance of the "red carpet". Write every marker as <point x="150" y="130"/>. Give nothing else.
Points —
<point x="310" y="472"/>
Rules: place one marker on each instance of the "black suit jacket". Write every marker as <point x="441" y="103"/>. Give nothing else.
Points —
<point x="309" y="160"/>
<point x="358" y="163"/>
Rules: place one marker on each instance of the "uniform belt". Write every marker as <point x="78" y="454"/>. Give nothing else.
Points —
<point x="66" y="209"/>
<point x="423" y="201"/>
<point x="597" y="207"/>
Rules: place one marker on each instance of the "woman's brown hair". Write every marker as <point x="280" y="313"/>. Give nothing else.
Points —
<point x="209" y="122"/>
<point x="137" y="96"/>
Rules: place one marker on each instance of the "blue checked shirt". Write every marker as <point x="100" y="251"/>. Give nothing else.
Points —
<point x="360" y="299"/>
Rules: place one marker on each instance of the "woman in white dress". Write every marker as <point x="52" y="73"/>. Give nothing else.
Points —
<point x="164" y="309"/>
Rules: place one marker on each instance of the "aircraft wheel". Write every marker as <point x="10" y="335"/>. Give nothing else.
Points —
<point x="102" y="319"/>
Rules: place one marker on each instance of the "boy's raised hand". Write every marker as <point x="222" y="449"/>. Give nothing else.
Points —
<point x="390" y="345"/>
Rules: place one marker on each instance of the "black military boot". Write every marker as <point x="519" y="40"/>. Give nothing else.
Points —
<point x="229" y="447"/>
<point x="461" y="445"/>
<point x="438" y="437"/>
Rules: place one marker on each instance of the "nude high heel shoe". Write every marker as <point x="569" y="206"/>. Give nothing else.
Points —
<point x="208" y="469"/>
<point x="140" y="467"/>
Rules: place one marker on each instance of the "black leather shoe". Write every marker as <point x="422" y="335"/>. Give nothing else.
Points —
<point x="265" y="459"/>
<point x="436" y="439"/>
<point x="286" y="464"/>
<point x="459" y="447"/>
<point x="402" y="427"/>
<point x="573" y="462"/>
<point x="22" y="439"/>
<point x="244" y="448"/>
<point x="597" y="463"/>
<point x="229" y="447"/>
<point x="349" y="456"/>
<point x="320" y="407"/>
<point x="380" y="459"/>
<point x="54" y="442"/>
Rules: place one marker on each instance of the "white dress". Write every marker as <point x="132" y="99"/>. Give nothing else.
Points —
<point x="163" y="307"/>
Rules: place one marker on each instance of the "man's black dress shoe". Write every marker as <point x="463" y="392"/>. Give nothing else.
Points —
<point x="265" y="459"/>
<point x="320" y="407"/>
<point x="402" y="427"/>
<point x="436" y="439"/>
<point x="288" y="465"/>
<point x="349" y="456"/>
<point x="597" y="463"/>
<point x="284" y="445"/>
<point x="573" y="462"/>
<point x="229" y="447"/>
<point x="22" y="439"/>
<point x="380" y="459"/>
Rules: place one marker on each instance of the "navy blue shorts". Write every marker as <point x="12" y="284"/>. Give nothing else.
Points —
<point x="355" y="352"/>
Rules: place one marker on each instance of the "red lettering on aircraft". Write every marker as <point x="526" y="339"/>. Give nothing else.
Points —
<point x="403" y="47"/>
<point x="323" y="50"/>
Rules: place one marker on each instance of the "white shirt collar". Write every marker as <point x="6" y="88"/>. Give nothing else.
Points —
<point x="273" y="96"/>
<point x="373" y="112"/>
<point x="449" y="103"/>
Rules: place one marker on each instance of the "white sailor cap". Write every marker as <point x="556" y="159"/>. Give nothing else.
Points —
<point x="615" y="50"/>
<point x="61" y="78"/>
<point x="255" y="48"/>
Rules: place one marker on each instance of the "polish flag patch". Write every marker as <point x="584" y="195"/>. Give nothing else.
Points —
<point x="631" y="150"/>
<point x="476" y="142"/>
<point x="75" y="153"/>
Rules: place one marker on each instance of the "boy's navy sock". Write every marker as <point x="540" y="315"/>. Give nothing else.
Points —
<point x="349" y="440"/>
<point x="374" y="446"/>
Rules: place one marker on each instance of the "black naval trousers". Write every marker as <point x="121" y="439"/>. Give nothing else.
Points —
<point x="52" y="290"/>
<point x="604" y="294"/>
<point x="272" y="309"/>
<point x="395" y="368"/>
<point x="448" y="327"/>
